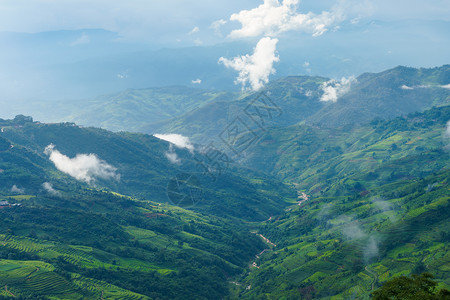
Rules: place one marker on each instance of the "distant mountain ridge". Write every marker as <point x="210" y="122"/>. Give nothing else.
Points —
<point x="128" y="110"/>
<point x="385" y="95"/>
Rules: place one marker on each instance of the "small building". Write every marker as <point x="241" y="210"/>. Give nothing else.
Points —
<point x="4" y="203"/>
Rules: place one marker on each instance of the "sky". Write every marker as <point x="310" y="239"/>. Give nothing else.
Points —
<point x="170" y="21"/>
<point x="332" y="38"/>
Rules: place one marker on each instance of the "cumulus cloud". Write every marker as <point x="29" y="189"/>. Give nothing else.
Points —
<point x="196" y="81"/>
<point x="178" y="140"/>
<point x="272" y="18"/>
<point x="83" y="167"/>
<point x="17" y="190"/>
<point x="255" y="69"/>
<point x="49" y="188"/>
<point x="333" y="89"/>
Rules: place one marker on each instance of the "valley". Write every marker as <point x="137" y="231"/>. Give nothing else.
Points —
<point x="314" y="208"/>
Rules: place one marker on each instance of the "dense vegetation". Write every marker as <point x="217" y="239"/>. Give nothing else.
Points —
<point x="307" y="211"/>
<point x="377" y="207"/>
<point x="417" y="287"/>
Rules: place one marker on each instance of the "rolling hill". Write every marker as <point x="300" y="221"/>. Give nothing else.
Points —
<point x="307" y="211"/>
<point x="373" y="204"/>
<point x="97" y="219"/>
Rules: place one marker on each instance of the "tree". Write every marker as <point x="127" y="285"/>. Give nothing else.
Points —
<point x="420" y="287"/>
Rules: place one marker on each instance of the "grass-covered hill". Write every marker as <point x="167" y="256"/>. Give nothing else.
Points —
<point x="64" y="237"/>
<point x="310" y="212"/>
<point x="373" y="204"/>
<point x="130" y="109"/>
<point x="312" y="157"/>
<point x="145" y="171"/>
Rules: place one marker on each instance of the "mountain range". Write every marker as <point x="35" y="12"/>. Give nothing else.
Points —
<point x="311" y="188"/>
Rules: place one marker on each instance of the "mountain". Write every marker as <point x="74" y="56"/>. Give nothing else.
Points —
<point x="388" y="94"/>
<point x="373" y="204"/>
<point x="128" y="110"/>
<point x="103" y="214"/>
<point x="293" y="100"/>
<point x="139" y="165"/>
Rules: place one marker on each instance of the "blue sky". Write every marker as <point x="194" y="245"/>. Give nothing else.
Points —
<point x="171" y="21"/>
<point x="254" y="40"/>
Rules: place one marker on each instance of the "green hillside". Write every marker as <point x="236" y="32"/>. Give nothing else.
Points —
<point x="388" y="94"/>
<point x="297" y="99"/>
<point x="144" y="170"/>
<point x="130" y="109"/>
<point x="373" y="204"/>
<point x="121" y="237"/>
<point x="307" y="212"/>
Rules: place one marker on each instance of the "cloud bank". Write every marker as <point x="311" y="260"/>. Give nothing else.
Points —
<point x="272" y="18"/>
<point x="410" y="88"/>
<point x="178" y="140"/>
<point x="333" y="89"/>
<point x="255" y="69"/>
<point x="83" y="167"/>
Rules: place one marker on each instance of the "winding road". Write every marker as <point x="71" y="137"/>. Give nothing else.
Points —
<point x="375" y="280"/>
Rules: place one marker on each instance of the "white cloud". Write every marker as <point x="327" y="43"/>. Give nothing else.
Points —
<point x="426" y="86"/>
<point x="17" y="190"/>
<point x="216" y="25"/>
<point x="334" y="89"/>
<point x="371" y="249"/>
<point x="355" y="20"/>
<point x="447" y="132"/>
<point x="178" y="140"/>
<point x="196" y="29"/>
<point x="197" y="81"/>
<point x="172" y="156"/>
<point x="255" y="69"/>
<point x="272" y="18"/>
<point x="83" y="39"/>
<point x="352" y="231"/>
<point x="446" y="137"/>
<point x="49" y="188"/>
<point x="83" y="167"/>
